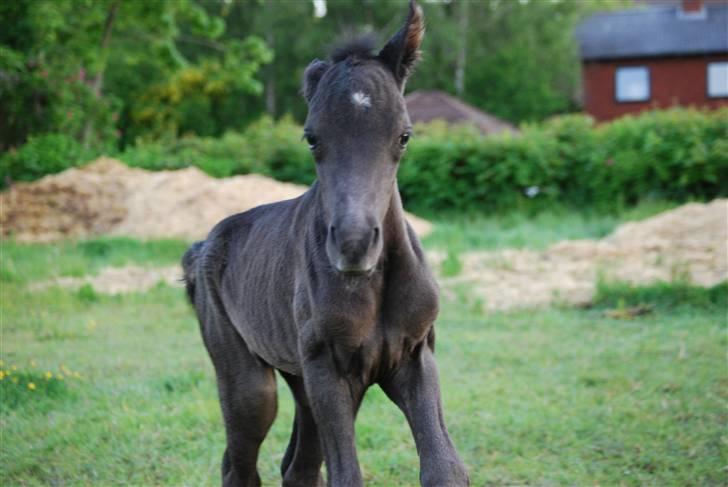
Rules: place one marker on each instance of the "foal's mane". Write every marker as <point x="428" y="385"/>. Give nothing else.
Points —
<point x="361" y="47"/>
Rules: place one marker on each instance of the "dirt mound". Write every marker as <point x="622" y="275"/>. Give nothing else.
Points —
<point x="690" y="242"/>
<point x="107" y="197"/>
<point x="74" y="203"/>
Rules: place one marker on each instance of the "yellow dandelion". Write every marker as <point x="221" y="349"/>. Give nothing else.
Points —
<point x="48" y="375"/>
<point x="59" y="376"/>
<point x="2" y="375"/>
<point x="31" y="386"/>
<point x="14" y="367"/>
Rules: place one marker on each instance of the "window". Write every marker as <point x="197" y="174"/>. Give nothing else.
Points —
<point x="633" y="84"/>
<point x="717" y="79"/>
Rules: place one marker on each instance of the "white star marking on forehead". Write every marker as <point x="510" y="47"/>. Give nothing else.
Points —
<point x="361" y="99"/>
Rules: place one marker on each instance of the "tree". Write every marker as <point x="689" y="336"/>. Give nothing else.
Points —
<point x="74" y="64"/>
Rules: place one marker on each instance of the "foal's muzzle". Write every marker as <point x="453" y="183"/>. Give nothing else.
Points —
<point x="354" y="249"/>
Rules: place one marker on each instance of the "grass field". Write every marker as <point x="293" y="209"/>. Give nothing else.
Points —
<point x="123" y="393"/>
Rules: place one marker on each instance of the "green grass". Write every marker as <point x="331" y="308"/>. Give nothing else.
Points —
<point x="666" y="296"/>
<point x="538" y="231"/>
<point x="550" y="397"/>
<point x="21" y="263"/>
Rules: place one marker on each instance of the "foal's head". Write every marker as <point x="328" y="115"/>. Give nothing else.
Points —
<point x="357" y="129"/>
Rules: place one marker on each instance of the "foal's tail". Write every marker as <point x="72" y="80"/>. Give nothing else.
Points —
<point x="189" y="268"/>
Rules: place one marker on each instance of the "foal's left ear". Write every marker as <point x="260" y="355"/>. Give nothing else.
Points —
<point x="311" y="77"/>
<point x="402" y="51"/>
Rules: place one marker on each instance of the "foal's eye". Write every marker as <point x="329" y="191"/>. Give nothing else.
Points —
<point x="312" y="140"/>
<point x="404" y="138"/>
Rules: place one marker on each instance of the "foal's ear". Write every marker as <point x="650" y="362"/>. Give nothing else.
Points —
<point x="402" y="51"/>
<point x="312" y="76"/>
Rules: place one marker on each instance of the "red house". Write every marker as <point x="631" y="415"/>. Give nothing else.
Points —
<point x="671" y="53"/>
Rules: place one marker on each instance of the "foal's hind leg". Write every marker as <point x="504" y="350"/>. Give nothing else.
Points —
<point x="301" y="466"/>
<point x="247" y="389"/>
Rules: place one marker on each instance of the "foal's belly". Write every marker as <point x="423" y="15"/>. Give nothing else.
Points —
<point x="272" y="340"/>
<point x="260" y="307"/>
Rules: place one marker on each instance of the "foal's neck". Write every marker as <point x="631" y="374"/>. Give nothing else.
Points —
<point x="396" y="236"/>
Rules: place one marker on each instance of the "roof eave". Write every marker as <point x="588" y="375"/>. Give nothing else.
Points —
<point x="674" y="54"/>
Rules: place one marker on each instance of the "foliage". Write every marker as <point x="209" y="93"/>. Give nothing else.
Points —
<point x="50" y="55"/>
<point x="109" y="72"/>
<point x="41" y="155"/>
<point x="265" y="147"/>
<point x="79" y="67"/>
<point x="676" y="155"/>
<point x="186" y="102"/>
<point x="514" y="63"/>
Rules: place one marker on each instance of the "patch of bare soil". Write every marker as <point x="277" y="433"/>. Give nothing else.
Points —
<point x="690" y="242"/>
<point x="118" y="280"/>
<point x="108" y="197"/>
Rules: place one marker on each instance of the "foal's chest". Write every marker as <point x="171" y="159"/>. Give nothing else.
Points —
<point x="374" y="343"/>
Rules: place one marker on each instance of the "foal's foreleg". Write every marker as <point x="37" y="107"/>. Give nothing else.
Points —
<point x="415" y="388"/>
<point x="334" y="401"/>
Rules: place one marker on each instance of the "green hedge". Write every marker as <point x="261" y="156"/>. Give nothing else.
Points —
<point x="677" y="154"/>
<point x="41" y="155"/>
<point x="266" y="147"/>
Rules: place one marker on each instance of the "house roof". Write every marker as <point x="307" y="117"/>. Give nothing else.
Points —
<point x="654" y="32"/>
<point x="426" y="106"/>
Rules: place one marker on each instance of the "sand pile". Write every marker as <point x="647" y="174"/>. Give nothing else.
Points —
<point x="107" y="197"/>
<point x="690" y="242"/>
<point x="74" y="203"/>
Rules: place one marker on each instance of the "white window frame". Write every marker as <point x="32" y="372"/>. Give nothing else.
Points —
<point x="624" y="70"/>
<point x="717" y="72"/>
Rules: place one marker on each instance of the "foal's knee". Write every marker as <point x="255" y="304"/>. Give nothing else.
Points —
<point x="256" y="406"/>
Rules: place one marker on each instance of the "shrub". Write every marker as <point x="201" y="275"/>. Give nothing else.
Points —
<point x="677" y="155"/>
<point x="266" y="147"/>
<point x="41" y="155"/>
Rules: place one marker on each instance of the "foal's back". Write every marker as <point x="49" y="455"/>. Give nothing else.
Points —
<point x="264" y="245"/>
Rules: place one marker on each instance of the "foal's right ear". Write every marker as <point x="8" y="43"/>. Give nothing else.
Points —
<point x="402" y="51"/>
<point x="312" y="76"/>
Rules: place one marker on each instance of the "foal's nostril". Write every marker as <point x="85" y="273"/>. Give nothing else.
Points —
<point x="375" y="236"/>
<point x="332" y="232"/>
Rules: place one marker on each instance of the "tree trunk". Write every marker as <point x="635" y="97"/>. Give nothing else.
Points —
<point x="270" y="82"/>
<point x="462" y="53"/>
<point x="97" y="82"/>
